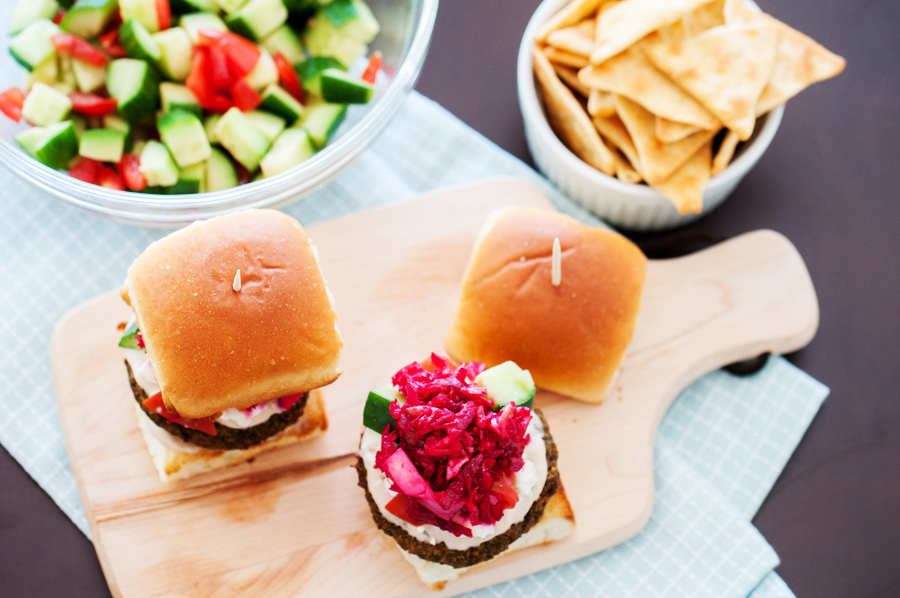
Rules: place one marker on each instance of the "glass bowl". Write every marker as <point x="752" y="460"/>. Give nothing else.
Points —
<point x="406" y="27"/>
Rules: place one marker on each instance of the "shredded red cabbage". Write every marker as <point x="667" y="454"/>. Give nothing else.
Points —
<point x="450" y="455"/>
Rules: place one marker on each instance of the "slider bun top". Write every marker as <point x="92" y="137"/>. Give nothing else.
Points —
<point x="572" y="337"/>
<point x="213" y="348"/>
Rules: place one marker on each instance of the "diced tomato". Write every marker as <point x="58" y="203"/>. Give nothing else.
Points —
<point x="241" y="54"/>
<point x="209" y="37"/>
<point x="109" y="41"/>
<point x="92" y="104"/>
<point x="129" y="168"/>
<point x="375" y="63"/>
<point x="163" y="14"/>
<point x="58" y="17"/>
<point x="156" y="404"/>
<point x="218" y="74"/>
<point x="86" y="170"/>
<point x="196" y="79"/>
<point x="289" y="401"/>
<point x="109" y="178"/>
<point x="288" y="77"/>
<point x="74" y="46"/>
<point x="244" y="96"/>
<point x="11" y="102"/>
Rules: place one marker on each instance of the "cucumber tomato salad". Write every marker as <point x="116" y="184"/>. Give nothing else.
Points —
<point x="186" y="96"/>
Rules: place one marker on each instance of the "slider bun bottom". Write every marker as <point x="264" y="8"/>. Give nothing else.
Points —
<point x="556" y="523"/>
<point x="172" y="465"/>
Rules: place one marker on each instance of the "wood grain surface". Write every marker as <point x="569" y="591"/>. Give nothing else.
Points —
<point x="293" y="522"/>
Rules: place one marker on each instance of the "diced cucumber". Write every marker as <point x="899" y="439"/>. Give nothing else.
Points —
<point x="310" y="72"/>
<point x="105" y="145"/>
<point x="54" y="146"/>
<point x="29" y="11"/>
<point x="377" y="412"/>
<point x="87" y="18"/>
<point x="45" y="72"/>
<point x="264" y="73"/>
<point x="285" y="42"/>
<point x="301" y="6"/>
<point x="175" y="46"/>
<point x="174" y="96"/>
<point x="45" y="106"/>
<point x="129" y="337"/>
<point x="246" y="143"/>
<point x="134" y="84"/>
<point x="141" y="10"/>
<point x="65" y="78"/>
<point x="179" y="7"/>
<point x="210" y="125"/>
<point x="33" y="46"/>
<point x="190" y="180"/>
<point x="229" y="6"/>
<point x="339" y="12"/>
<point x="291" y="148"/>
<point x="183" y="134"/>
<point x="506" y="383"/>
<point x="157" y="165"/>
<point x="258" y="18"/>
<point x="340" y="87"/>
<point x="270" y="125"/>
<point x="138" y="42"/>
<point x="80" y="123"/>
<point x="324" y="39"/>
<point x="277" y="101"/>
<point x="111" y="121"/>
<point x="193" y="22"/>
<point x="137" y="147"/>
<point x="322" y="120"/>
<point x="364" y="27"/>
<point x="220" y="173"/>
<point x="88" y="77"/>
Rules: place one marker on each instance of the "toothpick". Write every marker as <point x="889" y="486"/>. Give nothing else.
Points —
<point x="556" y="268"/>
<point x="236" y="285"/>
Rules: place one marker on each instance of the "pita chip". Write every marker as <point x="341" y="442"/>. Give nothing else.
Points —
<point x="570" y="14"/>
<point x="670" y="131"/>
<point x="624" y="170"/>
<point x="572" y="39"/>
<point x="569" y="76"/>
<point x="725" y="153"/>
<point x="630" y="74"/>
<point x="622" y="25"/>
<point x="799" y="62"/>
<point x="615" y="132"/>
<point x="557" y="56"/>
<point x="601" y="103"/>
<point x="658" y="160"/>
<point x="705" y="17"/>
<point x="569" y="119"/>
<point x="686" y="185"/>
<point x="725" y="68"/>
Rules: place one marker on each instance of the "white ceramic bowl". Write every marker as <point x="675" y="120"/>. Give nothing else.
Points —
<point x="631" y="207"/>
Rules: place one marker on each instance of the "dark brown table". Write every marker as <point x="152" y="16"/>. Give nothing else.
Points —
<point x="830" y="181"/>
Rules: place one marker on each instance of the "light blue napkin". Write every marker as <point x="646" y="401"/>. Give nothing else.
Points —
<point x="720" y="448"/>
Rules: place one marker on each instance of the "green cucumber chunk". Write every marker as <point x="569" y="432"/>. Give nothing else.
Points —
<point x="277" y="101"/>
<point x="506" y="383"/>
<point x="291" y="148"/>
<point x="134" y="84"/>
<point x="324" y="39"/>
<point x="129" y="337"/>
<point x="270" y="125"/>
<point x="340" y="87"/>
<point x="157" y="165"/>
<point x="88" y="77"/>
<point x="190" y="180"/>
<point x="229" y="6"/>
<point x="138" y="42"/>
<point x="87" y="18"/>
<point x="310" y="72"/>
<point x="322" y="120"/>
<point x="210" y="126"/>
<point x="45" y="105"/>
<point x="193" y="22"/>
<point x="258" y="18"/>
<point x="340" y="12"/>
<point x="180" y="7"/>
<point x="105" y="145"/>
<point x="377" y="413"/>
<point x="54" y="146"/>
<point x="175" y="47"/>
<point x="183" y="134"/>
<point x="220" y="172"/>
<point x="264" y="73"/>
<point x="29" y="11"/>
<point x="174" y="96"/>
<point x="364" y="27"/>
<point x="246" y="143"/>
<point x="141" y="10"/>
<point x="33" y="45"/>
<point x="285" y="42"/>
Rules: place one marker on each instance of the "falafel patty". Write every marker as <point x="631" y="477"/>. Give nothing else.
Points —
<point x="226" y="438"/>
<point x="439" y="553"/>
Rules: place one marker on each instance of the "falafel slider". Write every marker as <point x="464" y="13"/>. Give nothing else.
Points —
<point x="458" y="468"/>
<point x="233" y="334"/>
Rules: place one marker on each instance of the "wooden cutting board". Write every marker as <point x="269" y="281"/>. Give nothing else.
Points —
<point x="294" y="522"/>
